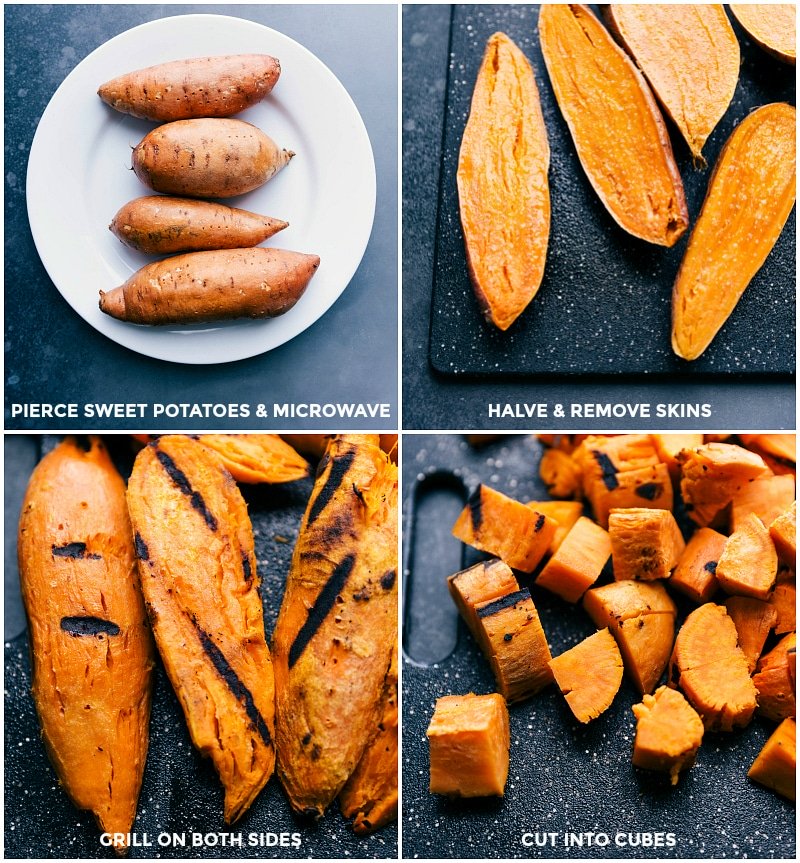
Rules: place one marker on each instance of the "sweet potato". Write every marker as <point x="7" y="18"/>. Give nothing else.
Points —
<point x="198" y="87"/>
<point x="561" y="474"/>
<point x="695" y="573"/>
<point x="212" y="286"/>
<point x="749" y="563"/>
<point x="689" y="55"/>
<point x="775" y="766"/>
<point x="564" y="512"/>
<point x="503" y="191"/>
<point x="784" y="600"/>
<point x="577" y="564"/>
<point x="256" y="458"/>
<point x="669" y="445"/>
<point x="771" y="26"/>
<point x="781" y="446"/>
<point x="773" y="680"/>
<point x="646" y="544"/>
<point x="749" y="198"/>
<point x="753" y="620"/>
<point x="212" y="158"/>
<point x="483" y="582"/>
<point x="783" y="531"/>
<point x="197" y="567"/>
<point x="767" y="497"/>
<point x="160" y="225"/>
<point x="616" y="126"/>
<point x="91" y="651"/>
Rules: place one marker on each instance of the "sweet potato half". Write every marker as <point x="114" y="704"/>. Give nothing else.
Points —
<point x="772" y="26"/>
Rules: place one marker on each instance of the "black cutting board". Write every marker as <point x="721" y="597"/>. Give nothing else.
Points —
<point x="604" y="305"/>
<point x="181" y="792"/>
<point x="563" y="776"/>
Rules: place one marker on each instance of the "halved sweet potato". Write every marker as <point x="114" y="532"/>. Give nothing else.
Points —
<point x="749" y="198"/>
<point x="695" y="573"/>
<point x="646" y="544"/>
<point x="749" y="563"/>
<point x="564" y="512"/>
<point x="771" y="26"/>
<point x="773" y="680"/>
<point x="577" y="564"/>
<point x="783" y="531"/>
<point x="775" y="766"/>
<point x="753" y="620"/>
<point x="483" y="582"/>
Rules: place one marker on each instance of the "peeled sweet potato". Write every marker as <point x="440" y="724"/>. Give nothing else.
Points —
<point x="646" y="544"/>
<point x="503" y="191"/>
<point x="564" y="512"/>
<point x="774" y="682"/>
<point x="212" y="286"/>
<point x="198" y="87"/>
<point x="689" y="55"/>
<point x="784" y="601"/>
<point x="783" y="531"/>
<point x="161" y="225"/>
<point x="753" y="620"/>
<point x="561" y="474"/>
<point x="91" y="651"/>
<point x="577" y="564"/>
<point x="775" y="766"/>
<point x="669" y="445"/>
<point x="749" y="563"/>
<point x="616" y="126"/>
<point x="695" y="573"/>
<point x="213" y="158"/>
<point x="772" y="26"/>
<point x="487" y="580"/>
<point x="767" y="497"/>
<point x="749" y="198"/>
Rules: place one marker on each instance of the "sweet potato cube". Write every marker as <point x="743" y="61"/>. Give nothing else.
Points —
<point x="784" y="600"/>
<point x="603" y="458"/>
<point x="775" y="766"/>
<point x="711" y="669"/>
<point x="516" y="646"/>
<point x="783" y="531"/>
<point x="773" y="680"/>
<point x="561" y="474"/>
<point x="589" y="675"/>
<point x="515" y="533"/>
<point x="577" y="564"/>
<point x="668" y="733"/>
<point x="645" y="543"/>
<point x="753" y="620"/>
<point x="669" y="445"/>
<point x="767" y="496"/>
<point x="748" y="565"/>
<point x="641" y="617"/>
<point x="564" y="512"/>
<point x="779" y="446"/>
<point x="469" y="741"/>
<point x="695" y="573"/>
<point x="486" y="580"/>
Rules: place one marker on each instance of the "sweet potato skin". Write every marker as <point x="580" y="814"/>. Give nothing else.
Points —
<point x="91" y="651"/>
<point x="213" y="158"/>
<point x="212" y="286"/>
<point x="161" y="225"/>
<point x="197" y="87"/>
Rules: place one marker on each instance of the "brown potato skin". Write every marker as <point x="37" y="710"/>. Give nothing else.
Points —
<point x="92" y="691"/>
<point x="212" y="286"/>
<point x="161" y="225"/>
<point x="197" y="87"/>
<point x="209" y="158"/>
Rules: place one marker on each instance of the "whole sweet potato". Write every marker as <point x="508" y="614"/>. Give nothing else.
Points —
<point x="212" y="158"/>
<point x="160" y="225"/>
<point x="212" y="286"/>
<point x="198" y="87"/>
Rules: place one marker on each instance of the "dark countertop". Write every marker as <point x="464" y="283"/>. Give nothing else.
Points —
<point x="434" y="401"/>
<point x="349" y="355"/>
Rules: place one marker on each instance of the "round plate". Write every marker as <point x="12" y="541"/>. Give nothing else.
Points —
<point x="79" y="176"/>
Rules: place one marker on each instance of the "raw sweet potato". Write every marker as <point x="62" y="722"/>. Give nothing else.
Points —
<point x="646" y="544"/>
<point x="487" y="580"/>
<point x="668" y="733"/>
<point x="690" y="56"/>
<point x="773" y="680"/>
<point x="753" y="620"/>
<point x="197" y="567"/>
<point x="775" y="766"/>
<point x="91" y="651"/>
<point x="616" y="126"/>
<point x="198" y="87"/>
<point x="212" y="158"/>
<point x="212" y="286"/>
<point x="160" y="225"/>
<point x="503" y="191"/>
<point x="695" y="573"/>
<point x="767" y="497"/>
<point x="749" y="563"/>
<point x="577" y="564"/>
<point x="749" y="198"/>
<point x="783" y="531"/>
<point x="772" y="26"/>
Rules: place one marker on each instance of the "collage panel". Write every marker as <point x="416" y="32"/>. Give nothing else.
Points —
<point x="169" y="646"/>
<point x="277" y="306"/>
<point x="598" y="646"/>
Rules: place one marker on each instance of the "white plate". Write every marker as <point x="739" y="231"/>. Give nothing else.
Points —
<point x="79" y="176"/>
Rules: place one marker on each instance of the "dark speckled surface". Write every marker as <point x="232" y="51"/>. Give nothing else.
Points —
<point x="564" y="777"/>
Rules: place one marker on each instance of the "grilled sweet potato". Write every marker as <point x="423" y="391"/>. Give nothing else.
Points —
<point x="503" y="191"/>
<point x="91" y="651"/>
<point x="749" y="563"/>
<point x="753" y="620"/>
<point x="616" y="126"/>
<point x="212" y="286"/>
<point x="774" y="682"/>
<point x="337" y="626"/>
<point x="775" y="766"/>
<point x="767" y="497"/>
<point x="211" y="158"/>
<point x="577" y="564"/>
<point x="487" y="580"/>
<point x="197" y="566"/>
<point x="198" y="87"/>
<point x="695" y="573"/>
<point x="564" y="512"/>
<point x="749" y="198"/>
<point x="561" y="474"/>
<point x="255" y="458"/>
<point x="784" y="600"/>
<point x="772" y="26"/>
<point x="646" y="544"/>
<point x="783" y="531"/>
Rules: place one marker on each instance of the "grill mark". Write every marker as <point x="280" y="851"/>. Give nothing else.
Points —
<point x="339" y="468"/>
<point x="185" y="487"/>
<point x="319" y="610"/>
<point x="507" y="601"/>
<point x="388" y="579"/>
<point x="475" y="509"/>
<point x="239" y="691"/>
<point x="711" y="567"/>
<point x="76" y="550"/>
<point x="539" y="524"/>
<point x="649" y="491"/>
<point x="607" y="469"/>
<point x="248" y="571"/>
<point x="142" y="551"/>
<point x="84" y="625"/>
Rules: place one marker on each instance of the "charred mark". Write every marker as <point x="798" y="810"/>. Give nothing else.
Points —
<point x="607" y="469"/>
<point x="248" y="570"/>
<point x="316" y="751"/>
<point x="319" y="610"/>
<point x="649" y="490"/>
<point x="336" y="529"/>
<point x="77" y="626"/>
<point x="475" y="509"/>
<point x="83" y="442"/>
<point x="76" y="550"/>
<point x="388" y="579"/>
<point x="539" y="524"/>
<point x="359" y="494"/>
<point x="339" y="468"/>
<point x="507" y="601"/>
<point x="239" y="691"/>
<point x="507" y="637"/>
<point x="185" y="487"/>
<point x="306" y="739"/>
<point x="142" y="551"/>
<point x="711" y="567"/>
<point x="362" y="595"/>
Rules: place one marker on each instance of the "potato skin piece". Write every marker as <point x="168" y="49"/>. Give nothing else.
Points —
<point x="160" y="225"/>
<point x="91" y="651"/>
<point x="197" y="87"/>
<point x="211" y="158"/>
<point x="212" y="286"/>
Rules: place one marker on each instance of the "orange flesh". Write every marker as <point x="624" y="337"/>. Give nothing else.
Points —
<point x="577" y="564"/>
<point x="749" y="564"/>
<point x="589" y="675"/>
<point x="784" y="534"/>
<point x="771" y="25"/>
<point x="753" y="620"/>
<point x="774" y="682"/>
<point x="768" y="497"/>
<point x="503" y="191"/>
<point x="784" y="600"/>
<point x="564" y="512"/>
<point x="694" y="574"/>
<point x="255" y="458"/>
<point x="669" y="445"/>
<point x="483" y="582"/>
<point x="561" y="474"/>
<point x="775" y="766"/>
<point x="602" y="458"/>
<point x="647" y="487"/>
<point x="469" y="740"/>
<point x="646" y="543"/>
<point x="782" y="446"/>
